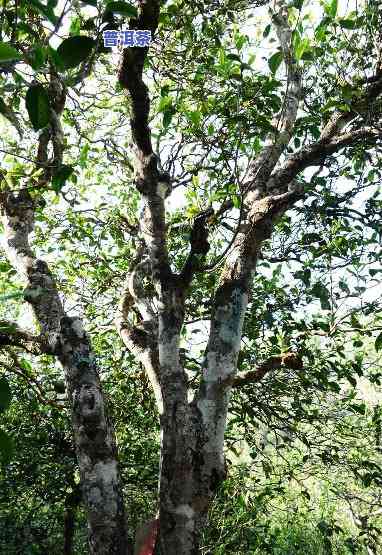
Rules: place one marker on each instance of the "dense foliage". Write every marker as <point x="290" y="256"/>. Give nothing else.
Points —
<point x="303" y="439"/>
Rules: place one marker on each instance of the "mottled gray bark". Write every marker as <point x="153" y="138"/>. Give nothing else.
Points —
<point x="64" y="337"/>
<point x="192" y="432"/>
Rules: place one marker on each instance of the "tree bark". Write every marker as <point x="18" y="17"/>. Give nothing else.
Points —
<point x="192" y="432"/>
<point x="69" y="522"/>
<point x="65" y="338"/>
<point x="95" y="443"/>
<point x="72" y="502"/>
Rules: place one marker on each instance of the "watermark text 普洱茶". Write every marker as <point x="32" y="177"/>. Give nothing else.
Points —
<point x="128" y="38"/>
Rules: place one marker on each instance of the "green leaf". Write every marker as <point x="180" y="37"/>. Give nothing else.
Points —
<point x="75" y="26"/>
<point x="6" y="446"/>
<point x="75" y="50"/>
<point x="320" y="32"/>
<point x="194" y="117"/>
<point x="344" y="286"/>
<point x="235" y="57"/>
<point x="331" y="8"/>
<point x="61" y="176"/>
<point x="360" y="409"/>
<point x="321" y="292"/>
<point x="55" y="58"/>
<point x="26" y="365"/>
<point x="37" y="58"/>
<point x="90" y="2"/>
<point x="164" y="103"/>
<point x="5" y="394"/>
<point x="301" y="48"/>
<point x="325" y="304"/>
<point x="378" y="342"/>
<point x="348" y="23"/>
<point x="122" y="8"/>
<point x="267" y="30"/>
<point x="236" y="201"/>
<point x="165" y="90"/>
<point x="304" y="275"/>
<point x="37" y="104"/>
<point x="167" y="117"/>
<point x="84" y="155"/>
<point x="275" y="61"/>
<point x="7" y="327"/>
<point x="8" y="53"/>
<point x="333" y="386"/>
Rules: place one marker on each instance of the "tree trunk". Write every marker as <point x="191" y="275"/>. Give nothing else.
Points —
<point x="65" y="338"/>
<point x="72" y="502"/>
<point x="189" y="478"/>
<point x="68" y="530"/>
<point x="95" y="443"/>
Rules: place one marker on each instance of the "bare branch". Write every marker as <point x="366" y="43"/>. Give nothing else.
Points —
<point x="141" y="341"/>
<point x="288" y="360"/>
<point x="154" y="186"/>
<point x="130" y="77"/>
<point x="265" y="162"/>
<point x="12" y="335"/>
<point x="151" y="183"/>
<point x="199" y="246"/>
<point x="52" y="133"/>
<point x="361" y="105"/>
<point x="94" y="435"/>
<point x="315" y="155"/>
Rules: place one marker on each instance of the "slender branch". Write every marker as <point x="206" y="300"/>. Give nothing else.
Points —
<point x="316" y="154"/>
<point x="93" y="432"/>
<point x="150" y="182"/>
<point x="288" y="360"/>
<point x="11" y="334"/>
<point x="199" y="247"/>
<point x="141" y="342"/>
<point x="265" y="162"/>
<point x="32" y="382"/>
<point x="130" y="77"/>
<point x="154" y="187"/>
<point x="52" y="133"/>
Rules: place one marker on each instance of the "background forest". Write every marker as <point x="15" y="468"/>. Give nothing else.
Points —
<point x="303" y="442"/>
